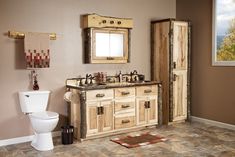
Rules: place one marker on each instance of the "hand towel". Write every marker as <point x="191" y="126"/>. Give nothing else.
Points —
<point x="37" y="52"/>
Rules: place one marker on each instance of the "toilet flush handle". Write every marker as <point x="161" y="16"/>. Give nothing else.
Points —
<point x="27" y="96"/>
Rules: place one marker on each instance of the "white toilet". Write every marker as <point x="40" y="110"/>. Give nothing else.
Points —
<point x="34" y="103"/>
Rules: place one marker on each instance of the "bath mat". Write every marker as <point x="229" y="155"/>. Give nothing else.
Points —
<point x="139" y="140"/>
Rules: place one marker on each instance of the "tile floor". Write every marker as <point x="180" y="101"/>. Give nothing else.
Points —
<point x="185" y="140"/>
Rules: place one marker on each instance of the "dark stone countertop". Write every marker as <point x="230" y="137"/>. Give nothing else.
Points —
<point x="112" y="85"/>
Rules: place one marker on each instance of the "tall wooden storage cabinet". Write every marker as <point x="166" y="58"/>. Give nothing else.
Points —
<point x="171" y="65"/>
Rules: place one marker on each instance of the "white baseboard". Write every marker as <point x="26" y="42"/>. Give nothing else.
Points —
<point x="214" y="123"/>
<point x="23" y="139"/>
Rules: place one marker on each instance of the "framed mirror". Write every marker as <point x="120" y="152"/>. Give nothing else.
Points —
<point x="106" y="45"/>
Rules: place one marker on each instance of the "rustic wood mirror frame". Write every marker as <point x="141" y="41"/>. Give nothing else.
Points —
<point x="90" y="46"/>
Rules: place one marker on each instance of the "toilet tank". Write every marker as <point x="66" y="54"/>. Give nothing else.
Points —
<point x="33" y="101"/>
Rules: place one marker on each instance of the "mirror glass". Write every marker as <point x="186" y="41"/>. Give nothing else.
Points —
<point x="101" y="45"/>
<point x="107" y="45"/>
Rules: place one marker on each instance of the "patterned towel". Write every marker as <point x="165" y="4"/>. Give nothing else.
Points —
<point x="37" y="52"/>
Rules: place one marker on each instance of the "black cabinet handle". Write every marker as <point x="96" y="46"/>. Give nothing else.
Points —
<point x="125" y="93"/>
<point x="100" y="95"/>
<point x="126" y="121"/>
<point x="147" y="91"/>
<point x="100" y="110"/>
<point x="174" y="77"/>
<point x="125" y="106"/>
<point x="174" y="65"/>
<point x="147" y="104"/>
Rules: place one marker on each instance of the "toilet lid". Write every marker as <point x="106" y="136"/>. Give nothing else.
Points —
<point x="45" y="115"/>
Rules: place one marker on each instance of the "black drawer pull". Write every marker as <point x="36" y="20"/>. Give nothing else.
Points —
<point x="147" y="91"/>
<point x="100" y="95"/>
<point x="126" y="121"/>
<point x="109" y="58"/>
<point x="125" y="93"/>
<point x="125" y="106"/>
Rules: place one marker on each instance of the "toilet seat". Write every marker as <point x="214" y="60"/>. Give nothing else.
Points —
<point x="45" y="115"/>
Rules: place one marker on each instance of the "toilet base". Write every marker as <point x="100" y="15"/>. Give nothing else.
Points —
<point x="43" y="141"/>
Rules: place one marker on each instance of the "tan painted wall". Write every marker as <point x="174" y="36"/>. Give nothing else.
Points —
<point x="213" y="88"/>
<point x="63" y="17"/>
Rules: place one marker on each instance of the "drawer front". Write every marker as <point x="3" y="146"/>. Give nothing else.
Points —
<point x="124" y="105"/>
<point x="146" y="90"/>
<point x="124" y="92"/>
<point x="99" y="94"/>
<point x="124" y="122"/>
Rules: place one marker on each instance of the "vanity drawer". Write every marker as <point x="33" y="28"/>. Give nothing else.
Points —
<point x="124" y="92"/>
<point x="125" y="105"/>
<point x="146" y="90"/>
<point x="124" y="122"/>
<point x="99" y="94"/>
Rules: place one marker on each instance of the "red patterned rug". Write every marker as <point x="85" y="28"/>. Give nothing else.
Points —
<point x="139" y="140"/>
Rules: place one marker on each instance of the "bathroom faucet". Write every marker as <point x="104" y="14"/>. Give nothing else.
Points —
<point x="87" y="77"/>
<point x="132" y="74"/>
<point x="119" y="76"/>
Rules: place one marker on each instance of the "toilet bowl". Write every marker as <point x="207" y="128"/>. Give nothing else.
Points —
<point x="43" y="123"/>
<point x="34" y="104"/>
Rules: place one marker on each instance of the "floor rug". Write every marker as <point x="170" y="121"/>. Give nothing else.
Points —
<point x="139" y="140"/>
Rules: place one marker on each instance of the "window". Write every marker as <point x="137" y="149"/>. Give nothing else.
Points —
<point x="223" y="38"/>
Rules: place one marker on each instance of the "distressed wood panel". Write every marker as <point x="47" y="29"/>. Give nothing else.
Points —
<point x="124" y="105"/>
<point x="146" y="90"/>
<point x="160" y="67"/>
<point x="180" y="44"/>
<point x="141" y="111"/>
<point x="180" y="95"/>
<point x="153" y="111"/>
<point x="97" y="95"/>
<point x="124" y="92"/>
<point x="107" y="115"/>
<point x="124" y="122"/>
<point x="92" y="118"/>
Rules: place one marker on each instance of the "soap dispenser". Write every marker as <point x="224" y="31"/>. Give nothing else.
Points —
<point x="35" y="81"/>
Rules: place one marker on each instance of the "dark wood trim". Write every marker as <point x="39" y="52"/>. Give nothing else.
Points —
<point x="163" y="20"/>
<point x="160" y="118"/>
<point x="189" y="73"/>
<point x="83" y="126"/>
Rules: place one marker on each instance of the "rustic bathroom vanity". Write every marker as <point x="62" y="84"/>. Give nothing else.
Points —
<point x="110" y="108"/>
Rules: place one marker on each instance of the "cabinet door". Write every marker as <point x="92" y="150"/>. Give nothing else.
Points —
<point x="153" y="110"/>
<point x="180" y="95"/>
<point x="141" y="112"/>
<point x="106" y="119"/>
<point x="180" y="45"/>
<point x="92" y="118"/>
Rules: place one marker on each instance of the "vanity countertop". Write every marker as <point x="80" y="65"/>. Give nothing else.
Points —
<point x="73" y="84"/>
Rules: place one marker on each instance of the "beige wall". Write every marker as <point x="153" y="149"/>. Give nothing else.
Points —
<point x="213" y="88"/>
<point x="63" y="17"/>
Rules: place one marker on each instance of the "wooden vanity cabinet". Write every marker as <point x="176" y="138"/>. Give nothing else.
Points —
<point x="98" y="117"/>
<point x="147" y="105"/>
<point x="99" y="111"/>
<point x="102" y="112"/>
<point x="171" y="66"/>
